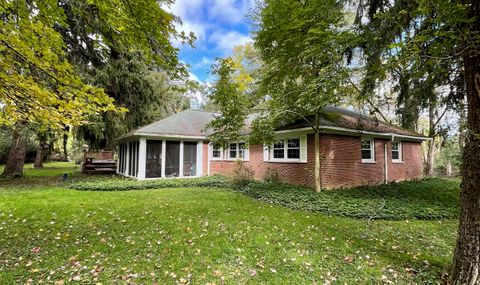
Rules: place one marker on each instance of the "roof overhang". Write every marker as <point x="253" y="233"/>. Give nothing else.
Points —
<point x="159" y="136"/>
<point x="346" y="131"/>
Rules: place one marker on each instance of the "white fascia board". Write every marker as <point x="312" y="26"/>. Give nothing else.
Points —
<point x="165" y="136"/>
<point x="355" y="132"/>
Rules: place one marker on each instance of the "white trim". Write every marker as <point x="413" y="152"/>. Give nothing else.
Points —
<point x="372" y="150"/>
<point x="180" y="163"/>
<point x="385" y="156"/>
<point x="142" y="158"/>
<point x="237" y="151"/>
<point x="161" y="136"/>
<point x="199" y="171"/>
<point x="356" y="132"/>
<point x="285" y="151"/>
<point x="210" y="153"/>
<point x="400" y="152"/>
<point x="127" y="160"/>
<point x="164" y="155"/>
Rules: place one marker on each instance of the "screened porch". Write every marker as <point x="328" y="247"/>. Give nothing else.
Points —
<point x="159" y="158"/>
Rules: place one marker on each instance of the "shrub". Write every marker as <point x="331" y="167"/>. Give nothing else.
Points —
<point x="242" y="175"/>
<point x="271" y="175"/>
<point x="123" y="184"/>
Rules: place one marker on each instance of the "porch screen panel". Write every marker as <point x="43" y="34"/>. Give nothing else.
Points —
<point x="189" y="158"/>
<point x="134" y="158"/>
<point x="154" y="159"/>
<point x="130" y="158"/>
<point x="172" y="159"/>
<point x="137" y="149"/>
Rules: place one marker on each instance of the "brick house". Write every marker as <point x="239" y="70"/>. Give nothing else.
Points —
<point x="355" y="150"/>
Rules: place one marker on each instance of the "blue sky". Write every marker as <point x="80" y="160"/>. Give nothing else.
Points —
<point x="218" y="25"/>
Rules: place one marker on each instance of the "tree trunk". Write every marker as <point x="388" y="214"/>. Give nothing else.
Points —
<point x="40" y="152"/>
<point x="318" y="180"/>
<point x="65" y="141"/>
<point x="466" y="262"/>
<point x="430" y="163"/>
<point x="16" y="156"/>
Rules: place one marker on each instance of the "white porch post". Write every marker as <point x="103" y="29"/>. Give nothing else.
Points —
<point x="127" y="160"/>
<point x="164" y="154"/>
<point x="199" y="158"/>
<point x="118" y="158"/>
<point x="180" y="172"/>
<point x="142" y="158"/>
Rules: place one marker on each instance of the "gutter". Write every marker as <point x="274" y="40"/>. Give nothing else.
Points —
<point x="358" y="132"/>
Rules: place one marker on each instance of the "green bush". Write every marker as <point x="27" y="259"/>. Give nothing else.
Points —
<point x="123" y="184"/>
<point x="242" y="174"/>
<point x="426" y="200"/>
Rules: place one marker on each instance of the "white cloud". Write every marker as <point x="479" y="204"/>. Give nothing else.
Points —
<point x="230" y="11"/>
<point x="204" y="62"/>
<point x="190" y="12"/>
<point x="193" y="77"/>
<point x="225" y="41"/>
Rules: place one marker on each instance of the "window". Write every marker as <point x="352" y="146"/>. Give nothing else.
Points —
<point x="293" y="148"/>
<point x="397" y="152"/>
<point x="233" y="150"/>
<point x="216" y="152"/>
<point x="238" y="150"/>
<point x="368" y="151"/>
<point x="279" y="149"/>
<point x="287" y="149"/>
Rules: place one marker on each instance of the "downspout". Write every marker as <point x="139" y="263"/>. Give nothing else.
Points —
<point x="385" y="159"/>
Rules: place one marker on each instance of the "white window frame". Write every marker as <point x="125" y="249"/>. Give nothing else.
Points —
<point x="212" y="148"/>
<point x="399" y="150"/>
<point x="372" y="150"/>
<point x="246" y="151"/>
<point x="285" y="151"/>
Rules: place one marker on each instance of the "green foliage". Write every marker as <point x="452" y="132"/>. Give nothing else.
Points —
<point x="242" y="174"/>
<point x="37" y="82"/>
<point x="233" y="106"/>
<point x="429" y="199"/>
<point x="147" y="94"/>
<point x="271" y="176"/>
<point x="449" y="153"/>
<point x="123" y="184"/>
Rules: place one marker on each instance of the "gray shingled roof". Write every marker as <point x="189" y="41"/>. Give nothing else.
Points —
<point x="193" y="122"/>
<point x="185" y="123"/>
<point x="348" y="119"/>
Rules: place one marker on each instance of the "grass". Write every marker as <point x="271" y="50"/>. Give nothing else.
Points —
<point x="428" y="199"/>
<point x="201" y="235"/>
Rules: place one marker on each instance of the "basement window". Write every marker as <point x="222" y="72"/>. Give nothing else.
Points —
<point x="368" y="151"/>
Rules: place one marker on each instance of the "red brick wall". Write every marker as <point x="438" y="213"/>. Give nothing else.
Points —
<point x="341" y="164"/>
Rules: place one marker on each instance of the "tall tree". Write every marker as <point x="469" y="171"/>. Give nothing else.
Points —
<point x="233" y="105"/>
<point x="431" y="32"/>
<point x="304" y="44"/>
<point x="37" y="83"/>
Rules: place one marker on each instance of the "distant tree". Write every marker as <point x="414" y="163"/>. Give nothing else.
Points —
<point x="233" y="105"/>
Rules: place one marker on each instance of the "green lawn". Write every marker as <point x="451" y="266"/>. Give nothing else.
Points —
<point x="199" y="235"/>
